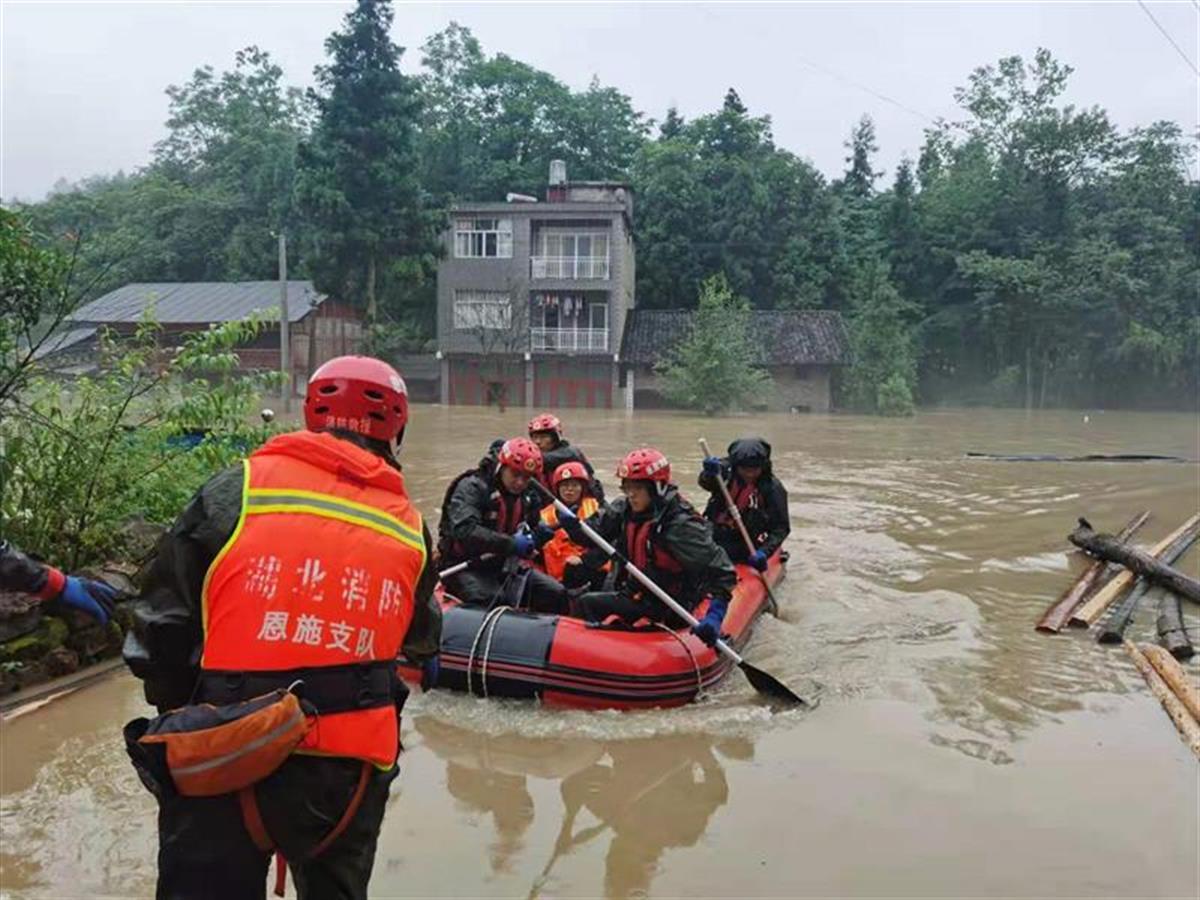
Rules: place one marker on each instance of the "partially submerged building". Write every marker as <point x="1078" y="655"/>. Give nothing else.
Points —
<point x="319" y="328"/>
<point x="799" y="348"/>
<point x="533" y="295"/>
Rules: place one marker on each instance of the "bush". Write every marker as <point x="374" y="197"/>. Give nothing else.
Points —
<point x="81" y="459"/>
<point x="716" y="366"/>
<point x="894" y="397"/>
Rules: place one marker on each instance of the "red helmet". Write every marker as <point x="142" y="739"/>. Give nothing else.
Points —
<point x="521" y="455"/>
<point x="645" y="464"/>
<point x="567" y="471"/>
<point x="357" y="393"/>
<point x="545" y="422"/>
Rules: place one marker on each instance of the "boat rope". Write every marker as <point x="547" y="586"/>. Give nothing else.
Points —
<point x="487" y="648"/>
<point x="691" y="656"/>
<point x="489" y="621"/>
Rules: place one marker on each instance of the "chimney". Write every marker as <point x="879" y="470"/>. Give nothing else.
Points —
<point x="557" y="191"/>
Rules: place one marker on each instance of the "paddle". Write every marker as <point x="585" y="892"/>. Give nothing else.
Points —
<point x="454" y="570"/>
<point x="773" y="607"/>
<point x="759" y="680"/>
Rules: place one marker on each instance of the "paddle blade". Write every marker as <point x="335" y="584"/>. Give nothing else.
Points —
<point x="770" y="686"/>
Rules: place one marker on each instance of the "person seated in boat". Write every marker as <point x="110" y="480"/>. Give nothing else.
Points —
<point x="546" y="431"/>
<point x="760" y="497"/>
<point x="485" y="513"/>
<point x="562" y="556"/>
<point x="657" y="530"/>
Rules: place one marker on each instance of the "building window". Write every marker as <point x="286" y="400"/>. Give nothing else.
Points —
<point x="483" y="238"/>
<point x="482" y="309"/>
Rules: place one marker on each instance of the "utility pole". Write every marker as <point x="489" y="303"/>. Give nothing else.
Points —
<point x="285" y="343"/>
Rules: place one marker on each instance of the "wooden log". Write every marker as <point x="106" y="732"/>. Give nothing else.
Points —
<point x="1056" y="615"/>
<point x="1105" y="546"/>
<point x="1091" y="610"/>
<point x="1177" y="680"/>
<point x="1121" y="614"/>
<point x="1189" y="728"/>
<point x="1171" y="631"/>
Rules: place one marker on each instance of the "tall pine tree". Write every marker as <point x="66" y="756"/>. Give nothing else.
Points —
<point x="359" y="181"/>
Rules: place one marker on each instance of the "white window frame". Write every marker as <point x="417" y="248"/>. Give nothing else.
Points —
<point x="483" y="238"/>
<point x="490" y="310"/>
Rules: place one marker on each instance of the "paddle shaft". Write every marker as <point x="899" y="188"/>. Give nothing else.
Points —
<point x="454" y="570"/>
<point x="638" y="574"/>
<point x="741" y="526"/>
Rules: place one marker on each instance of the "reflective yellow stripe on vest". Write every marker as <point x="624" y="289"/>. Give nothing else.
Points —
<point x="286" y="500"/>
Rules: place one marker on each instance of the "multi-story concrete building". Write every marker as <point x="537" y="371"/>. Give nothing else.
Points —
<point x="532" y="296"/>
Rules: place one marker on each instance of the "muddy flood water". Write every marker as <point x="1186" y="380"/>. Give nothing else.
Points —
<point x="955" y="752"/>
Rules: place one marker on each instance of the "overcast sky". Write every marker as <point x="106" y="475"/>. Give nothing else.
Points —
<point x="81" y="83"/>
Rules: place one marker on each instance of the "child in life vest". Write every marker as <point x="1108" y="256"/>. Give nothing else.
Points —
<point x="561" y="555"/>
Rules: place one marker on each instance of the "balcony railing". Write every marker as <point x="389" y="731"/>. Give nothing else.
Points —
<point x="572" y="268"/>
<point x="569" y="340"/>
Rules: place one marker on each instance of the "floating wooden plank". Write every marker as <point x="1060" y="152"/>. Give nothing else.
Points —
<point x="1113" y="628"/>
<point x="1090" y="611"/>
<point x="1188" y="727"/>
<point x="1057" y="614"/>
<point x="1171" y="629"/>
<point x="1154" y="570"/>
<point x="1172" y="673"/>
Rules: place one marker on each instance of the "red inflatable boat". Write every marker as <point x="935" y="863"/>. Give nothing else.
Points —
<point x="567" y="662"/>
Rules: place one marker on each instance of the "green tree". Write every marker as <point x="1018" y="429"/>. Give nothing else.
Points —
<point x="206" y="207"/>
<point x="716" y="366"/>
<point x="716" y="195"/>
<point x="359" y="183"/>
<point x="232" y="143"/>
<point x="883" y="369"/>
<point x="861" y="176"/>
<point x="493" y="124"/>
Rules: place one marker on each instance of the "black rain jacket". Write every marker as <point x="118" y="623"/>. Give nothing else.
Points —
<point x="681" y="533"/>
<point x="471" y="515"/>
<point x="768" y="522"/>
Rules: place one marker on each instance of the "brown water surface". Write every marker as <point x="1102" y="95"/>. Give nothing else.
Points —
<point x="955" y="752"/>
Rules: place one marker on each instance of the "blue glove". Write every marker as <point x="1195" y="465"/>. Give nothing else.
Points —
<point x="708" y="629"/>
<point x="712" y="466"/>
<point x="95" y="598"/>
<point x="758" y="560"/>
<point x="524" y="545"/>
<point x="429" y="673"/>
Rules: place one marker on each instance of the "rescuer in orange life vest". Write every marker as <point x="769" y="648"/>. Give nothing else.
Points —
<point x="560" y="554"/>
<point x="307" y="563"/>
<point x="657" y="530"/>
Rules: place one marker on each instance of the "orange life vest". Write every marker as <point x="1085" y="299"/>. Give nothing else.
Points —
<point x="556" y="551"/>
<point x="319" y="573"/>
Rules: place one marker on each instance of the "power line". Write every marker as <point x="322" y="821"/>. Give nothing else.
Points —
<point x="1178" y="50"/>
<point x="873" y="93"/>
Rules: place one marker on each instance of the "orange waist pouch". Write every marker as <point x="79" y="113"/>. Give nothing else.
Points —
<point x="203" y="750"/>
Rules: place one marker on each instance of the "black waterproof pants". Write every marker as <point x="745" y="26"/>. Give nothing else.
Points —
<point x="540" y="592"/>
<point x="205" y="852"/>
